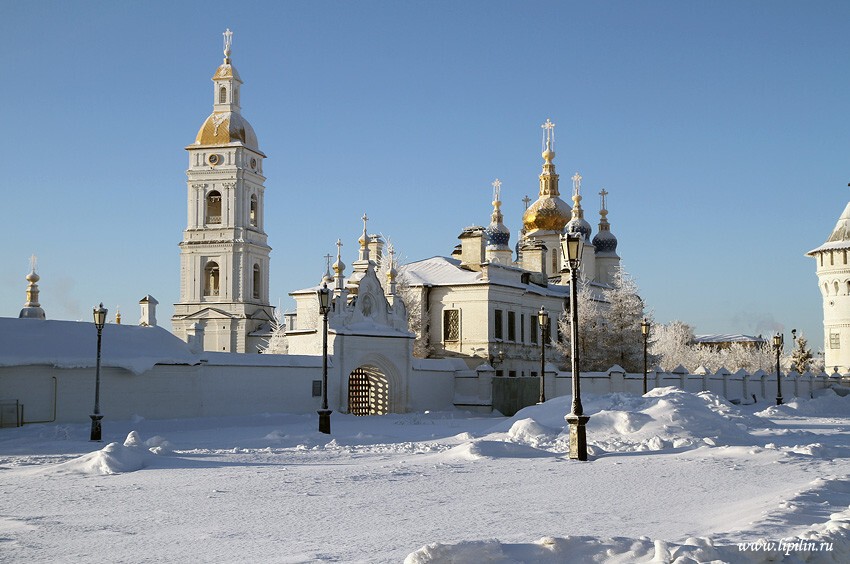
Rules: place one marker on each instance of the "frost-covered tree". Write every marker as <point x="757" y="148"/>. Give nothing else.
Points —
<point x="801" y="356"/>
<point x="410" y="295"/>
<point x="673" y="343"/>
<point x="609" y="332"/>
<point x="277" y="342"/>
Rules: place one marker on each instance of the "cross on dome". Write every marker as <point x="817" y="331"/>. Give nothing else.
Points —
<point x="526" y="201"/>
<point x="548" y="135"/>
<point x="228" y="41"/>
<point x="576" y="184"/>
<point x="497" y="190"/>
<point x="33" y="263"/>
<point x="603" y="193"/>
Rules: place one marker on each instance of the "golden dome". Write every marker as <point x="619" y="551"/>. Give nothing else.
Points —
<point x="223" y="128"/>
<point x="548" y="213"/>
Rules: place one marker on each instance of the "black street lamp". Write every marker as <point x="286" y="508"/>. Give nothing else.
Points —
<point x="644" y="330"/>
<point x="571" y="248"/>
<point x="778" y="342"/>
<point x="99" y="321"/>
<point x="324" y="307"/>
<point x="543" y="321"/>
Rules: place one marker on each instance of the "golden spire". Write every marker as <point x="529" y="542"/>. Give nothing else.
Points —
<point x="549" y="212"/>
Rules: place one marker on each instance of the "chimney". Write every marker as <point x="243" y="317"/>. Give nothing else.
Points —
<point x="533" y="252"/>
<point x="472" y="247"/>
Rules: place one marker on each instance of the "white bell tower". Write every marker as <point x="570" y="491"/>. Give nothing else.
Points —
<point x="224" y="255"/>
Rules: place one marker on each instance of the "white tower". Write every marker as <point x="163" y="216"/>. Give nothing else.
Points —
<point x="224" y="255"/>
<point x="834" y="281"/>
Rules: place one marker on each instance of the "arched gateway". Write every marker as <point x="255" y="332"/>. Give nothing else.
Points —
<point x="368" y="392"/>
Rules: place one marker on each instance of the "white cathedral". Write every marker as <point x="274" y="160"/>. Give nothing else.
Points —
<point x="478" y="304"/>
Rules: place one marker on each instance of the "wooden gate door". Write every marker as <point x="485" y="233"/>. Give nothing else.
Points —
<point x="359" y="392"/>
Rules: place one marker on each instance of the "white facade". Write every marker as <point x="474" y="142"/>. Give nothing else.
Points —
<point x="224" y="255"/>
<point x="833" y="274"/>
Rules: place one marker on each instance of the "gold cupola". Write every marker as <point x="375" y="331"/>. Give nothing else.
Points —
<point x="226" y="124"/>
<point x="549" y="212"/>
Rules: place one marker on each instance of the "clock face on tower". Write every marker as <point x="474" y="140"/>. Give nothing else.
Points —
<point x="254" y="164"/>
<point x="214" y="159"/>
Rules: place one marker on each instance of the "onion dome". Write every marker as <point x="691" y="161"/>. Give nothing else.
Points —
<point x="549" y="212"/>
<point x="226" y="124"/>
<point x="605" y="241"/>
<point x="497" y="233"/>
<point x="578" y="224"/>
<point x="32" y="309"/>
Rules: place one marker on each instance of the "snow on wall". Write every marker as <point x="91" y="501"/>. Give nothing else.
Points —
<point x="73" y="344"/>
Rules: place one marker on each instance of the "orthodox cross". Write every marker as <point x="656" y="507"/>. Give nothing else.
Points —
<point x="548" y="135"/>
<point x="526" y="201"/>
<point x="365" y="218"/>
<point x="603" y="193"/>
<point x="228" y="40"/>
<point x="338" y="249"/>
<point x="576" y="184"/>
<point x="497" y="190"/>
<point x="328" y="258"/>
<point x="33" y="263"/>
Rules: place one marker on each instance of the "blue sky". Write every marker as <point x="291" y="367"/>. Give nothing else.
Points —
<point x="721" y="131"/>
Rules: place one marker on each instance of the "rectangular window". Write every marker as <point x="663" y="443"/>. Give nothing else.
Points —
<point x="317" y="388"/>
<point x="498" y="325"/>
<point x="521" y="327"/>
<point x="534" y="329"/>
<point x="511" y="373"/>
<point x="834" y="340"/>
<point x="500" y="373"/>
<point x="451" y="325"/>
<point x="511" y="326"/>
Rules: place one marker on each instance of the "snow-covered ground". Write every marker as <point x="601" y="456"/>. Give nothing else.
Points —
<point x="673" y="476"/>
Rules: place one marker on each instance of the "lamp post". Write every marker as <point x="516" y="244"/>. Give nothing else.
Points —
<point x="778" y="341"/>
<point x="99" y="314"/>
<point x="644" y="330"/>
<point x="324" y="296"/>
<point x="543" y="321"/>
<point x="571" y="248"/>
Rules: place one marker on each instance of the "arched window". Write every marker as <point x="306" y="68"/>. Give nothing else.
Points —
<point x="257" y="281"/>
<point x="211" y="278"/>
<point x="222" y="95"/>
<point x="236" y="96"/>
<point x="835" y="285"/>
<point x="825" y="289"/>
<point x="213" y="214"/>
<point x="252" y="217"/>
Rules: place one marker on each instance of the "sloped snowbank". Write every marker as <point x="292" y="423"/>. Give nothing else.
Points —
<point x="663" y="419"/>
<point x="116" y="458"/>
<point x="826" y="403"/>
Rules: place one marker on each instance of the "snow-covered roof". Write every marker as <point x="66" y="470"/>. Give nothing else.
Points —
<point x="728" y="338"/>
<point x="840" y="236"/>
<point x="445" y="271"/>
<point x="439" y="271"/>
<point x="73" y="344"/>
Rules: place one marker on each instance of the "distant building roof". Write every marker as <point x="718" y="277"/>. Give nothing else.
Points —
<point x="727" y="338"/>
